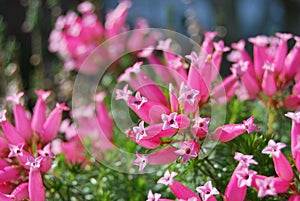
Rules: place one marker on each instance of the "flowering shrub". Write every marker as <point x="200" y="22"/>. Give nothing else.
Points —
<point x="75" y="36"/>
<point x="175" y="115"/>
<point x="173" y="105"/>
<point x="26" y="148"/>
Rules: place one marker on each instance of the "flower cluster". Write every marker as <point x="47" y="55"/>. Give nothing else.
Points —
<point x="94" y="125"/>
<point x="25" y="149"/>
<point x="243" y="177"/>
<point x="75" y="36"/>
<point x="268" y="75"/>
<point x="173" y="121"/>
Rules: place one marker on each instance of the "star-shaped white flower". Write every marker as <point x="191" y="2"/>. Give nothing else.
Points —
<point x="207" y="191"/>
<point x="153" y="197"/>
<point x="139" y="131"/>
<point x="273" y="148"/>
<point x="167" y="179"/>
<point x="245" y="177"/>
<point x="124" y="93"/>
<point x="266" y="187"/>
<point x="245" y="160"/>
<point x="187" y="94"/>
<point x="169" y="121"/>
<point x="140" y="161"/>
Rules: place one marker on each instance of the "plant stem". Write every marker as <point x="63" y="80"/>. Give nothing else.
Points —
<point x="271" y="121"/>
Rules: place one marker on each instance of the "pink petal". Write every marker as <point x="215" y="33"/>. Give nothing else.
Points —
<point x="51" y="126"/>
<point x="21" y="192"/>
<point x="11" y="133"/>
<point x="39" y="112"/>
<point x="268" y="83"/>
<point x="283" y="167"/>
<point x="228" y="132"/>
<point x="182" y="192"/>
<point x="104" y="120"/>
<point x="35" y="186"/>
<point x="164" y="156"/>
<point x="22" y="122"/>
<point x="233" y="192"/>
<point x="9" y="173"/>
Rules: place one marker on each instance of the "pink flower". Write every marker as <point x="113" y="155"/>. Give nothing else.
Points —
<point x="169" y="121"/>
<point x="141" y="161"/>
<point x="207" y="191"/>
<point x="152" y="197"/>
<point x="167" y="179"/>
<point x="281" y="164"/>
<point x="123" y="94"/>
<point x="139" y="131"/>
<point x="188" y="150"/>
<point x="245" y="177"/>
<point x="229" y="132"/>
<point x="200" y="126"/>
<point x="266" y="187"/>
<point x="273" y="148"/>
<point x="244" y="160"/>
<point x="15" y="150"/>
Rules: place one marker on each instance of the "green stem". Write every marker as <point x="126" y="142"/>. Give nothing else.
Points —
<point x="271" y="121"/>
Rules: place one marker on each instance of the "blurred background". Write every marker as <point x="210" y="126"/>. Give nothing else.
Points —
<point x="25" y="25"/>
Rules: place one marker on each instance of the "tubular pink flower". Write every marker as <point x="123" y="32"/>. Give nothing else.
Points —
<point x="35" y="185"/>
<point x="200" y="126"/>
<point x="182" y="192"/>
<point x="163" y="156"/>
<point x="167" y="179"/>
<point x="269" y="185"/>
<point x="259" y="53"/>
<point x="196" y="81"/>
<point x="269" y="82"/>
<point x="22" y="121"/>
<point x="51" y="126"/>
<point x="139" y="131"/>
<point x="174" y="104"/>
<point x="225" y="90"/>
<point x="295" y="131"/>
<point x="115" y="19"/>
<point x="273" y="148"/>
<point x="10" y="132"/>
<point x="266" y="187"/>
<point x="141" y="161"/>
<point x="281" y="52"/>
<point x="139" y="100"/>
<point x="244" y="160"/>
<point x="188" y="98"/>
<point x="9" y="173"/>
<point x="207" y="191"/>
<point x="5" y="197"/>
<point x="123" y="93"/>
<point x="292" y="61"/>
<point x="249" y="125"/>
<point x="139" y="81"/>
<point x="229" y="132"/>
<point x="294" y="198"/>
<point x="15" y="150"/>
<point x="150" y="112"/>
<point x="189" y="149"/>
<point x="153" y="197"/>
<point x="21" y="192"/>
<point x="233" y="191"/>
<point x="39" y="112"/>
<point x="169" y="121"/>
<point x="245" y="177"/>
<point x="281" y="164"/>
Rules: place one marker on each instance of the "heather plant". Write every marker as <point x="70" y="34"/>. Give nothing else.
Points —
<point x="152" y="119"/>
